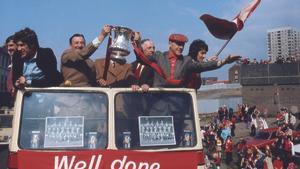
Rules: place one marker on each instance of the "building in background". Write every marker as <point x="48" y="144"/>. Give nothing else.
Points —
<point x="235" y="73"/>
<point x="271" y="86"/>
<point x="283" y="44"/>
<point x="208" y="80"/>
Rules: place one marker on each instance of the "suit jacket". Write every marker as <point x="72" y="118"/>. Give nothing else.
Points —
<point x="46" y="61"/>
<point x="77" y="67"/>
<point x="120" y="75"/>
<point x="184" y="67"/>
<point x="146" y="75"/>
<point x="194" y="81"/>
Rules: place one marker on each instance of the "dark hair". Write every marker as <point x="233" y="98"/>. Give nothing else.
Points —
<point x="10" y="38"/>
<point x="196" y="46"/>
<point x="27" y="36"/>
<point x="75" y="35"/>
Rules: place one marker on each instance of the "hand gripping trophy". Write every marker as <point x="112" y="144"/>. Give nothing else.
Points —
<point x="118" y="46"/>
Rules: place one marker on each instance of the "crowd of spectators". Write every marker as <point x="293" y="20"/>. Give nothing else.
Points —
<point x="279" y="60"/>
<point x="220" y="133"/>
<point x="247" y="61"/>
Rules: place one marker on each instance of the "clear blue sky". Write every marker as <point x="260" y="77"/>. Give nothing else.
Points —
<point x="56" y="20"/>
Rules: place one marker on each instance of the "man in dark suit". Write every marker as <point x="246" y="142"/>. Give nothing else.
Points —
<point x="144" y="73"/>
<point x="76" y="66"/>
<point x="176" y="67"/>
<point x="33" y="66"/>
<point x="11" y="48"/>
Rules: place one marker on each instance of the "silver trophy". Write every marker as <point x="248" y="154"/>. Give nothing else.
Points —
<point x="121" y="42"/>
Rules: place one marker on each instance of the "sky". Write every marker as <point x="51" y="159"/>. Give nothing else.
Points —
<point x="55" y="21"/>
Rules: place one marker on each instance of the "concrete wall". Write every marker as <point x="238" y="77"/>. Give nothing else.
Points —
<point x="272" y="97"/>
<point x="270" y="74"/>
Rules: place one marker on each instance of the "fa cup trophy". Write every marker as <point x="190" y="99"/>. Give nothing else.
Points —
<point x="121" y="42"/>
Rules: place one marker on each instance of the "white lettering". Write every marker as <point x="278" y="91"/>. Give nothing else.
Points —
<point x="145" y="165"/>
<point x="130" y="163"/>
<point x="92" y="162"/>
<point x="112" y="166"/>
<point x="155" y="166"/>
<point x="83" y="163"/>
<point x="98" y="161"/>
<point x="63" y="163"/>
<point x="123" y="164"/>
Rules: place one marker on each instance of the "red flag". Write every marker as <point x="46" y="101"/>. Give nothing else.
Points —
<point x="219" y="28"/>
<point x="241" y="18"/>
<point x="224" y="29"/>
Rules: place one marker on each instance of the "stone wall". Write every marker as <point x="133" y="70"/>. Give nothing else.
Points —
<point x="272" y="97"/>
<point x="270" y="74"/>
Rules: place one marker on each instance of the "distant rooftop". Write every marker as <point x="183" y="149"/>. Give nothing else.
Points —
<point x="281" y="28"/>
<point x="220" y="86"/>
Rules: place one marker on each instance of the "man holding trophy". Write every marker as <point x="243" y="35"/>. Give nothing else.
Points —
<point x="113" y="71"/>
<point x="76" y="66"/>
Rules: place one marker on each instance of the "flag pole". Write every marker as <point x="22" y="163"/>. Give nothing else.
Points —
<point x="220" y="50"/>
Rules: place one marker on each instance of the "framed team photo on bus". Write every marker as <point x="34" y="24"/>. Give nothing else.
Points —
<point x="156" y="130"/>
<point x="64" y="131"/>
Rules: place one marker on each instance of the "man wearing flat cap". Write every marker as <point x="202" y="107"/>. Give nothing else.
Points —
<point x="176" y="67"/>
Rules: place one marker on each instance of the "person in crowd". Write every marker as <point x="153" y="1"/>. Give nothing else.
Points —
<point x="226" y="132"/>
<point x="217" y="160"/>
<point x="233" y="121"/>
<point x="247" y="159"/>
<point x="277" y="163"/>
<point x="262" y="123"/>
<point x="279" y="118"/>
<point x="277" y="146"/>
<point x="176" y="68"/>
<point x="253" y="125"/>
<point x="197" y="52"/>
<point x="77" y="68"/>
<point x="241" y="149"/>
<point x="291" y="164"/>
<point x="285" y="114"/>
<point x="228" y="149"/>
<point x="144" y="73"/>
<point x="268" y="160"/>
<point x="288" y="147"/>
<point x="292" y="121"/>
<point x="219" y="146"/>
<point x="11" y="48"/>
<point x="33" y="66"/>
<point x="221" y="114"/>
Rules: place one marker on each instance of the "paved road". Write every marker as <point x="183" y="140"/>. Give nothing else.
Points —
<point x="3" y="156"/>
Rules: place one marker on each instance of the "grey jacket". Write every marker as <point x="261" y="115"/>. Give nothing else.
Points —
<point x="184" y="67"/>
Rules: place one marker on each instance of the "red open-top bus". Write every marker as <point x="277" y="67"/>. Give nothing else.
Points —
<point x="102" y="128"/>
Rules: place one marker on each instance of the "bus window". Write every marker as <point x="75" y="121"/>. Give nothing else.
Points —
<point x="74" y="120"/>
<point x="154" y="120"/>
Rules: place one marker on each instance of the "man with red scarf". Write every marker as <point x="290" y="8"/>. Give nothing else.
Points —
<point x="176" y="67"/>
